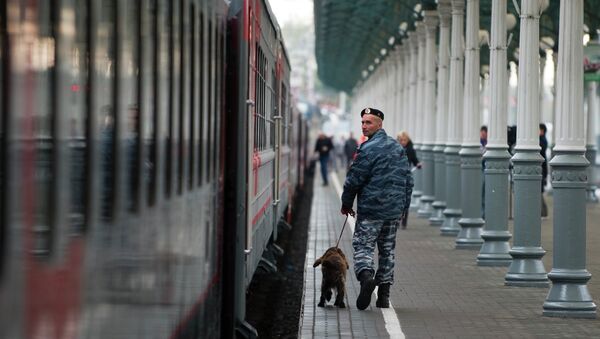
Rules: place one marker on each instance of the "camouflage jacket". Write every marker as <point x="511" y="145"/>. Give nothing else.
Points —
<point x="381" y="178"/>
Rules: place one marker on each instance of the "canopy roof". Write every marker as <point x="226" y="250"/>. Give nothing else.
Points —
<point x="353" y="35"/>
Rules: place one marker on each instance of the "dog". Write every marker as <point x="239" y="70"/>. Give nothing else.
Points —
<point x="334" y="266"/>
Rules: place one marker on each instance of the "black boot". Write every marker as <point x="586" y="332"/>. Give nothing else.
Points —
<point x="383" y="296"/>
<point x="367" y="285"/>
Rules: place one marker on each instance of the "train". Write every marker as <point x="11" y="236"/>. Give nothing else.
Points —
<point x="150" y="154"/>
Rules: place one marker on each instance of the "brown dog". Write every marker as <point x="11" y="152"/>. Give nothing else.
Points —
<point x="334" y="266"/>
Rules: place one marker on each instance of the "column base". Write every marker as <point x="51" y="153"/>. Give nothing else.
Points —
<point x="569" y="296"/>
<point x="415" y="202"/>
<point x="469" y="236"/>
<point x="495" y="249"/>
<point x="527" y="268"/>
<point x="437" y="218"/>
<point x="450" y="226"/>
<point x="590" y="195"/>
<point x="426" y="209"/>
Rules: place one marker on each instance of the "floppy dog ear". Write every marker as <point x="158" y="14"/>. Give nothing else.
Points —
<point x="317" y="262"/>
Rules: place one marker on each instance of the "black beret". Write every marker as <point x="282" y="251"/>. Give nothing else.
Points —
<point x="373" y="111"/>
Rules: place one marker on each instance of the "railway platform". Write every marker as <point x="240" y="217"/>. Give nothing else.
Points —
<point x="439" y="291"/>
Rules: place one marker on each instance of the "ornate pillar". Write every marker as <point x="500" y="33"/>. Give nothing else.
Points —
<point x="527" y="268"/>
<point x="590" y="152"/>
<point x="430" y="20"/>
<point x="495" y="235"/>
<point x="414" y="47"/>
<point x="455" y="112"/>
<point x="406" y="80"/>
<point x="399" y="111"/>
<point x="470" y="152"/>
<point x="419" y="123"/>
<point x="444" y="10"/>
<point x="569" y="295"/>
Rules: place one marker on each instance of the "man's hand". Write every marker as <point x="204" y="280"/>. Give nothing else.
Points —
<point x="419" y="165"/>
<point x="348" y="210"/>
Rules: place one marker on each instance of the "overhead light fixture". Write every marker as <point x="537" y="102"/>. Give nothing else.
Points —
<point x="546" y="42"/>
<point x="371" y="68"/>
<point x="376" y="60"/>
<point x="511" y="21"/>
<point x="403" y="26"/>
<point x="391" y="41"/>
<point x="383" y="51"/>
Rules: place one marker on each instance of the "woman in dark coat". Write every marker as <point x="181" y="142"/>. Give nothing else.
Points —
<point x="404" y="140"/>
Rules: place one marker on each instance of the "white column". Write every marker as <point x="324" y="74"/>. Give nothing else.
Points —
<point x="414" y="47"/>
<point x="407" y="85"/>
<point x="569" y="295"/>
<point x="399" y="91"/>
<point x="444" y="12"/>
<point x="430" y="21"/>
<point x="494" y="251"/>
<point x="470" y="153"/>
<point x="527" y="268"/>
<point x="455" y="107"/>
<point x="418" y="138"/>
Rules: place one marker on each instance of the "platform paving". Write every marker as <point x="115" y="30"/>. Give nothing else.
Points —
<point x="439" y="292"/>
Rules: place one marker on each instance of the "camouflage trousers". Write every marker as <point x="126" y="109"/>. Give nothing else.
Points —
<point x="368" y="233"/>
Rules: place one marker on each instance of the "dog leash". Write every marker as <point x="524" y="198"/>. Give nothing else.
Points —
<point x="342" y="232"/>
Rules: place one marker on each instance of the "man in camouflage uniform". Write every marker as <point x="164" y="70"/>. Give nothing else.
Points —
<point x="381" y="179"/>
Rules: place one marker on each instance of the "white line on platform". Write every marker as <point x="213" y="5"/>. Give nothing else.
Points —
<point x="392" y="325"/>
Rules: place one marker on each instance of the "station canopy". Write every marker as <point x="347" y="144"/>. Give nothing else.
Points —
<point x="353" y="37"/>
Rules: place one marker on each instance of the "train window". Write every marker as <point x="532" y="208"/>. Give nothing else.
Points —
<point x="181" y="96"/>
<point x="41" y="114"/>
<point x="219" y="94"/>
<point x="285" y="114"/>
<point x="210" y="113"/>
<point x="169" y="27"/>
<point x="201" y="96"/>
<point x="77" y="107"/>
<point x="130" y="99"/>
<point x="105" y="64"/>
<point x="192" y="95"/>
<point x="273" y="107"/>
<point x="149" y="83"/>
<point x="260" y="120"/>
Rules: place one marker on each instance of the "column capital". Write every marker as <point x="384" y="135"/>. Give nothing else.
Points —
<point x="431" y="20"/>
<point x="458" y="7"/>
<point x="420" y="29"/>
<point x="445" y="12"/>
<point x="412" y="42"/>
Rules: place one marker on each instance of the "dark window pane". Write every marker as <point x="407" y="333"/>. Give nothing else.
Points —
<point x="149" y="81"/>
<point x="105" y="65"/>
<point x="77" y="108"/>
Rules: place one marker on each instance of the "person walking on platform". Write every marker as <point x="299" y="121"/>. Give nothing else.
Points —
<point x="404" y="140"/>
<point x="323" y="147"/>
<point x="381" y="179"/>
<point x="349" y="149"/>
<point x="543" y="149"/>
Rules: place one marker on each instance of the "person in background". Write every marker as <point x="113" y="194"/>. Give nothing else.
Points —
<point x="349" y="149"/>
<point x="483" y="132"/>
<point x="544" y="148"/>
<point x="483" y="139"/>
<point x="404" y="140"/>
<point x="323" y="147"/>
